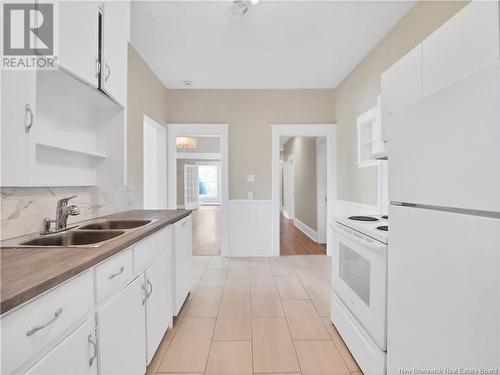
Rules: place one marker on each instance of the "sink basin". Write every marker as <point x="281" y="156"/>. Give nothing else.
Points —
<point x="73" y="238"/>
<point x="116" y="224"/>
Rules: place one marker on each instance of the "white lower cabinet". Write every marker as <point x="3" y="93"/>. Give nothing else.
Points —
<point x="109" y="320"/>
<point x="182" y="262"/>
<point x="122" y="332"/>
<point x="158" y="305"/>
<point x="76" y="355"/>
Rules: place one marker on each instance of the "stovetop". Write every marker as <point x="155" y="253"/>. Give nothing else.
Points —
<point x="375" y="226"/>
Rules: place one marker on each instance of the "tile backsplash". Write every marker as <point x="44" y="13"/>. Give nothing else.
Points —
<point x="22" y="209"/>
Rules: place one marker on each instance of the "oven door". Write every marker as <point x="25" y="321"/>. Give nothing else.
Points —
<point x="359" y="277"/>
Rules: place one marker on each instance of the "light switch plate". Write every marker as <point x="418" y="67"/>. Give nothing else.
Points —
<point x="250" y="178"/>
<point x="250" y="195"/>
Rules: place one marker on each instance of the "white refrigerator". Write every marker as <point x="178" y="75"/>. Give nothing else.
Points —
<point x="444" y="230"/>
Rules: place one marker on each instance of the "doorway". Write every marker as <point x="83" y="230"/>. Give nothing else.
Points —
<point x="198" y="180"/>
<point x="303" y="214"/>
<point x="321" y="142"/>
<point x="154" y="165"/>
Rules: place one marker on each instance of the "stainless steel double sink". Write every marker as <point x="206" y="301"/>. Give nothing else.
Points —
<point x="90" y="235"/>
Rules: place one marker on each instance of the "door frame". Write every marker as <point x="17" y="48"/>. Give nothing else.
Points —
<point x="318" y="130"/>
<point x="289" y="180"/>
<point x="193" y="130"/>
<point x="162" y="164"/>
<point x="321" y="163"/>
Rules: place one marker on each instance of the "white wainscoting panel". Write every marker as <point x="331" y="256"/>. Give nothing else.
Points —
<point x="250" y="228"/>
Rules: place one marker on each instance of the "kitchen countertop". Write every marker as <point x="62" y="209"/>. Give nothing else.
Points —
<point x="27" y="272"/>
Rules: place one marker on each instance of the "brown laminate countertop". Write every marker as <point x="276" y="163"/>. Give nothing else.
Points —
<point x="28" y="272"/>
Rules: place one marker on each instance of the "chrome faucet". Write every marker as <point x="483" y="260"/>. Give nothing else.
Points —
<point x="61" y="220"/>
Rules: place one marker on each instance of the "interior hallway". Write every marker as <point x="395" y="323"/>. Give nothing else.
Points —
<point x="294" y="242"/>
<point x="256" y="316"/>
<point x="207" y="230"/>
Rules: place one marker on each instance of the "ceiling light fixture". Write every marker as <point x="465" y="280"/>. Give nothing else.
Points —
<point x="242" y="6"/>
<point x="186" y="143"/>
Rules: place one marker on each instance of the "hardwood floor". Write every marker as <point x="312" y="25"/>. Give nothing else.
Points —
<point x="256" y="316"/>
<point x="294" y="242"/>
<point x="207" y="230"/>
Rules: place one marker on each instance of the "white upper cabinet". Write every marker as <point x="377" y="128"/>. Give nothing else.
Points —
<point x="464" y="45"/>
<point x="115" y="35"/>
<point x="401" y="85"/>
<point x="19" y="123"/>
<point x="79" y="39"/>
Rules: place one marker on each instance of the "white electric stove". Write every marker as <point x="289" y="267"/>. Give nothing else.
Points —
<point x="359" y="288"/>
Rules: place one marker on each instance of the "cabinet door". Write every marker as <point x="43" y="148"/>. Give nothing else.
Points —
<point x="76" y="355"/>
<point x="464" y="45"/>
<point x="18" y="125"/>
<point x="401" y="85"/>
<point x="122" y="332"/>
<point x="158" y="305"/>
<point x="182" y="261"/>
<point x="115" y="50"/>
<point x="79" y="38"/>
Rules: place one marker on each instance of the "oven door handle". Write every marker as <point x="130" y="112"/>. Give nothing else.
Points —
<point x="359" y="238"/>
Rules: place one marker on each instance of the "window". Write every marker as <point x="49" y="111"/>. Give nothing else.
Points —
<point x="208" y="178"/>
<point x="367" y="125"/>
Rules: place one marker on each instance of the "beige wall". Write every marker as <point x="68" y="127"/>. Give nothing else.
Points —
<point x="146" y="96"/>
<point x="359" y="90"/>
<point x="250" y="114"/>
<point x="304" y="149"/>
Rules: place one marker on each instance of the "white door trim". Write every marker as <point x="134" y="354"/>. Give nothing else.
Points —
<point x="184" y="130"/>
<point x="161" y="188"/>
<point x="321" y="190"/>
<point x="321" y="130"/>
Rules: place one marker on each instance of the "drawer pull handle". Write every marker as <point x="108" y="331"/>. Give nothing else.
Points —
<point x="145" y="289"/>
<point x="113" y="275"/>
<point x="35" y="329"/>
<point x="94" y="346"/>
<point x="151" y="288"/>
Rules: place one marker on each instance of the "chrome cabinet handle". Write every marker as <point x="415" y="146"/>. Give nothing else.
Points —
<point x="151" y="290"/>
<point x="113" y="275"/>
<point x="94" y="346"/>
<point x="108" y="72"/>
<point x="145" y="289"/>
<point x="97" y="68"/>
<point x="35" y="329"/>
<point x="28" y="124"/>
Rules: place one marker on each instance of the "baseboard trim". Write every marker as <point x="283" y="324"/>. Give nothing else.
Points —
<point x="308" y="231"/>
<point x="285" y="214"/>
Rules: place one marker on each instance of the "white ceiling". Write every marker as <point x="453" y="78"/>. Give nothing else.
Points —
<point x="278" y="44"/>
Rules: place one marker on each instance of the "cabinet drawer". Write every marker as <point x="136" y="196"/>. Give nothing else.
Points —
<point x="146" y="251"/>
<point x="35" y="325"/>
<point x="76" y="355"/>
<point x="112" y="274"/>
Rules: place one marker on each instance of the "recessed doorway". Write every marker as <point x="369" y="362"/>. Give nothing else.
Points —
<point x="303" y="195"/>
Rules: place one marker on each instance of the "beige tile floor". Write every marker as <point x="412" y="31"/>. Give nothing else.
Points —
<point x="256" y="316"/>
